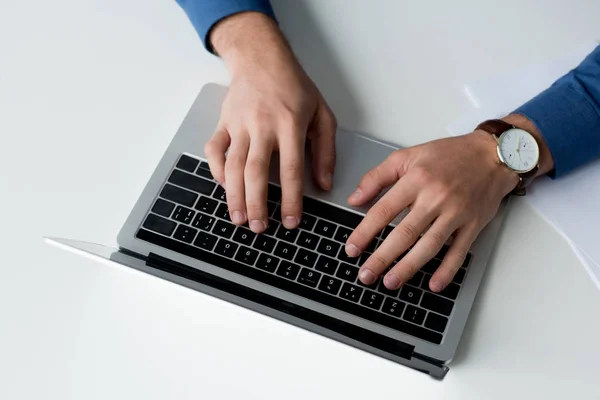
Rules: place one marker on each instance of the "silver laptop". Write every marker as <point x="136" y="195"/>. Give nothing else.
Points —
<point x="180" y="230"/>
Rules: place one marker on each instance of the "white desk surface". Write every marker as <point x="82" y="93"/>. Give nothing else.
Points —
<point x="91" y="93"/>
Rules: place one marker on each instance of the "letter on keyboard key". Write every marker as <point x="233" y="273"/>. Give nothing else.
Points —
<point x="285" y="250"/>
<point x="306" y="258"/>
<point x="178" y="195"/>
<point x="342" y="256"/>
<point x="347" y="272"/>
<point x="185" y="233"/>
<point x="192" y="182"/>
<point x="436" y="322"/>
<point x="159" y="224"/>
<point x="219" y="193"/>
<point x="243" y="236"/>
<point x="163" y="207"/>
<point x="223" y="229"/>
<point x="288" y="270"/>
<point x="264" y="243"/>
<point x="187" y="163"/>
<point x="205" y="241"/>
<point x="203" y="221"/>
<point x="393" y="307"/>
<point x="246" y="255"/>
<point x="327" y="265"/>
<point x="307" y="222"/>
<point x="414" y="314"/>
<point x="308" y="240"/>
<point x="436" y="303"/>
<point x="372" y="300"/>
<point x="410" y="294"/>
<point x="226" y="248"/>
<point x="330" y="285"/>
<point x="342" y="234"/>
<point x="309" y="277"/>
<point x="267" y="262"/>
<point x="183" y="214"/>
<point x="325" y="228"/>
<point x="328" y="247"/>
<point x="287" y="234"/>
<point x="223" y="212"/>
<point x="206" y="205"/>
<point x="351" y="292"/>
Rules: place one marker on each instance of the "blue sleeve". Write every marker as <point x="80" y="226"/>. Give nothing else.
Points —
<point x="568" y="116"/>
<point x="204" y="14"/>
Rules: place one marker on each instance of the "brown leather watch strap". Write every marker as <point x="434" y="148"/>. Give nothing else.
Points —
<point x="497" y="127"/>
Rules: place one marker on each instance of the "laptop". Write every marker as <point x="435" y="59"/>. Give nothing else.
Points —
<point x="179" y="230"/>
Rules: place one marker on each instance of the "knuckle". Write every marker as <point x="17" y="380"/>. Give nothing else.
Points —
<point x="211" y="148"/>
<point x="256" y="166"/>
<point x="421" y="175"/>
<point x="382" y="212"/>
<point x="408" y="231"/>
<point x="292" y="171"/>
<point x="255" y="209"/>
<point x="379" y="261"/>
<point x="234" y="163"/>
<point x="435" y="240"/>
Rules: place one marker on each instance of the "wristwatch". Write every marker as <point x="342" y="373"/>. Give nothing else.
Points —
<point x="517" y="149"/>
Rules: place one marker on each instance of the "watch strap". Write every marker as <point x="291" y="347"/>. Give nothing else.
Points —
<point x="497" y="127"/>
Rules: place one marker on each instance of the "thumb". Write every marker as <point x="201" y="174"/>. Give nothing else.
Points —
<point x="322" y="146"/>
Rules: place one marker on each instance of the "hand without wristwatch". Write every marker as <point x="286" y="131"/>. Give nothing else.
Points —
<point x="517" y="149"/>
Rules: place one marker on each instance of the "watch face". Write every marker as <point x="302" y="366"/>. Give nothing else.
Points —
<point x="518" y="150"/>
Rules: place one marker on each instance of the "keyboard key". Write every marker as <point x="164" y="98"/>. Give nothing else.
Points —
<point x="342" y="256"/>
<point x="436" y="303"/>
<point x="191" y="182"/>
<point x="440" y="255"/>
<point x="414" y="314"/>
<point x="372" y="300"/>
<point x="347" y="272"/>
<point x="187" y="163"/>
<point x="467" y="260"/>
<point x="342" y="234"/>
<point x="203" y="221"/>
<point x="246" y="255"/>
<point x="178" y="195"/>
<point x="416" y="279"/>
<point x="328" y="247"/>
<point x="205" y="173"/>
<point x="277" y="214"/>
<point x="205" y="241"/>
<point x="386" y="291"/>
<point x="273" y="280"/>
<point x="436" y="322"/>
<point x="351" y="292"/>
<point x="393" y="307"/>
<point x="206" y="205"/>
<point x="306" y="258"/>
<point x="307" y="222"/>
<point x="325" y="228"/>
<point x="363" y="258"/>
<point x="460" y="275"/>
<point x="223" y="229"/>
<point x="159" y="224"/>
<point x="451" y="291"/>
<point x="372" y="246"/>
<point x="327" y="265"/>
<point x="330" y="285"/>
<point x="386" y="231"/>
<point x="271" y="228"/>
<point x="286" y="234"/>
<point x="163" y="207"/>
<point x="267" y="262"/>
<point x="226" y="248"/>
<point x="285" y="250"/>
<point x="431" y="266"/>
<point x="274" y="193"/>
<point x="307" y="240"/>
<point x="204" y="165"/>
<point x="331" y="213"/>
<point x="264" y="243"/>
<point x="183" y="214"/>
<point x="288" y="270"/>
<point x="243" y="236"/>
<point x="185" y="233"/>
<point x="219" y="193"/>
<point x="223" y="212"/>
<point x="410" y="294"/>
<point x="271" y="208"/>
<point x="309" y="277"/>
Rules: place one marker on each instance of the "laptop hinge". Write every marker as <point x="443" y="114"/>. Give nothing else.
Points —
<point x="362" y="335"/>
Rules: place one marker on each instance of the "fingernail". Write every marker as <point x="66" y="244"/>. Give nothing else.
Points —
<point x="357" y="193"/>
<point x="352" y="250"/>
<point x="237" y="217"/>
<point x="392" y="282"/>
<point x="436" y="286"/>
<point x="290" y="222"/>
<point x="257" y="225"/>
<point x="366" y="276"/>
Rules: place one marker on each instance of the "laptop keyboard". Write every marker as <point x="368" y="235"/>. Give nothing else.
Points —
<point x="190" y="216"/>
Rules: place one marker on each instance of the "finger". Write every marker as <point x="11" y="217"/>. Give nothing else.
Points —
<point x="423" y="251"/>
<point x="234" y="176"/>
<point x="291" y="164"/>
<point x="379" y="216"/>
<point x="453" y="260"/>
<point x="379" y="178"/>
<point x="322" y="143"/>
<point x="397" y="242"/>
<point x="215" y="150"/>
<point x="256" y="177"/>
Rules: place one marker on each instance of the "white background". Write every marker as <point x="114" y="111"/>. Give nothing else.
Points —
<point x="91" y="93"/>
